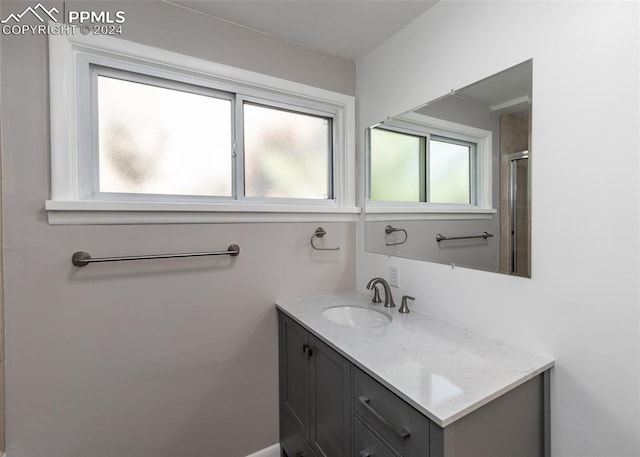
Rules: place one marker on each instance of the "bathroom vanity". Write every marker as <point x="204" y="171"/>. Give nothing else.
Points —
<point x="403" y="386"/>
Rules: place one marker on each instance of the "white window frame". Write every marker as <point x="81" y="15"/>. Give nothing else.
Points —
<point x="418" y="124"/>
<point x="71" y="58"/>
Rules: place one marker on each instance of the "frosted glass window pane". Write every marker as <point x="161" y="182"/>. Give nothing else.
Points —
<point x="395" y="166"/>
<point x="154" y="140"/>
<point x="286" y="154"/>
<point x="449" y="172"/>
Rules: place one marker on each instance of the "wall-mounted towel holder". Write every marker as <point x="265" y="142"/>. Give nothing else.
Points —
<point x="82" y="258"/>
<point x="389" y="229"/>
<point x="320" y="232"/>
<point x="484" y="235"/>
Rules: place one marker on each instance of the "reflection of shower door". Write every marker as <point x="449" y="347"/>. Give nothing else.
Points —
<point x="519" y="202"/>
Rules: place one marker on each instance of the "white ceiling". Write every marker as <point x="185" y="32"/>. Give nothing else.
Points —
<point x="344" y="28"/>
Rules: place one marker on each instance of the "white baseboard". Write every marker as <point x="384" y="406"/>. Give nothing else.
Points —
<point x="271" y="451"/>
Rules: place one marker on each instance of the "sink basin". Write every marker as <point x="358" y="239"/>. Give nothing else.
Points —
<point x="356" y="317"/>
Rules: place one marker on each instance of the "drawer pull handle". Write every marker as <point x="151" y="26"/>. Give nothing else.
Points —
<point x="364" y="454"/>
<point x="402" y="433"/>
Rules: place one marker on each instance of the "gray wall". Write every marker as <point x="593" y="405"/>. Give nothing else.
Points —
<point x="170" y="27"/>
<point x="156" y="358"/>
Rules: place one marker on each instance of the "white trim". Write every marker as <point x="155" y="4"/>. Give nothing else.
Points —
<point x="422" y="207"/>
<point x="131" y="212"/>
<point x="418" y="216"/>
<point x="68" y="54"/>
<point x="403" y="211"/>
<point x="271" y="451"/>
<point x="172" y="217"/>
<point x="446" y="127"/>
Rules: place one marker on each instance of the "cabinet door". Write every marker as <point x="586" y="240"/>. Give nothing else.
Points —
<point x="295" y="352"/>
<point x="330" y="402"/>
<point x="292" y="443"/>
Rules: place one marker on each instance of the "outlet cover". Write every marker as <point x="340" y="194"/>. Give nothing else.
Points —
<point x="394" y="276"/>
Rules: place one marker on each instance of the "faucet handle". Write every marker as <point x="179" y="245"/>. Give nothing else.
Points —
<point x="404" y="308"/>
<point x="376" y="295"/>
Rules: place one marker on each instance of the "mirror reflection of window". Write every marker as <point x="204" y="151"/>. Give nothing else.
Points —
<point x="450" y="171"/>
<point x="400" y="171"/>
<point x="395" y="166"/>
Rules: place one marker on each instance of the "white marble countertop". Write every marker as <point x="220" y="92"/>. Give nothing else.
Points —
<point x="443" y="371"/>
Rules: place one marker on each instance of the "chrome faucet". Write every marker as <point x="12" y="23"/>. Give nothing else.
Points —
<point x="388" y="298"/>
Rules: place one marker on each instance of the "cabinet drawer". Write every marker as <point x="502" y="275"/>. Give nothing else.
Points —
<point x="403" y="427"/>
<point x="292" y="442"/>
<point x="366" y="444"/>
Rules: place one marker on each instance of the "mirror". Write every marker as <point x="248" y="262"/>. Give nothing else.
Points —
<point x="449" y="181"/>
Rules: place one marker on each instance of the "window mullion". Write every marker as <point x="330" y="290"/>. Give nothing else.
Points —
<point x="238" y="149"/>
<point x="425" y="174"/>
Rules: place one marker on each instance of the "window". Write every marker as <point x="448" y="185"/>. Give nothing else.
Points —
<point x="418" y="164"/>
<point x="178" y="139"/>
<point x="287" y="154"/>
<point x="153" y="139"/>
<point x="161" y="138"/>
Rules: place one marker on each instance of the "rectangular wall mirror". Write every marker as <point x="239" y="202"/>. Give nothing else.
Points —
<point x="449" y="181"/>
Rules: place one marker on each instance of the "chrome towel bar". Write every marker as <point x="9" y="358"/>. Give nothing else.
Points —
<point x="484" y="235"/>
<point x="82" y="258"/>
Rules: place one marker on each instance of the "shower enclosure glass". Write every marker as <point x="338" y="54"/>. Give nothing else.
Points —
<point x="520" y="213"/>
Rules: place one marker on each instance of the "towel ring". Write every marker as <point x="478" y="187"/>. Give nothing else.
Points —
<point x="388" y="230"/>
<point x="320" y="232"/>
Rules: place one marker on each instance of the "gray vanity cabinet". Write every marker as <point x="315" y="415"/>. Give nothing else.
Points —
<point x="513" y="425"/>
<point x="315" y="410"/>
<point x="331" y="408"/>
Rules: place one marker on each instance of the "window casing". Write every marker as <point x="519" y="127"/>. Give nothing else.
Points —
<point x="83" y="68"/>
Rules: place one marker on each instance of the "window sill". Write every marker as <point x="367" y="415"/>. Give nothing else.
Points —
<point x="408" y="212"/>
<point x="118" y="212"/>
